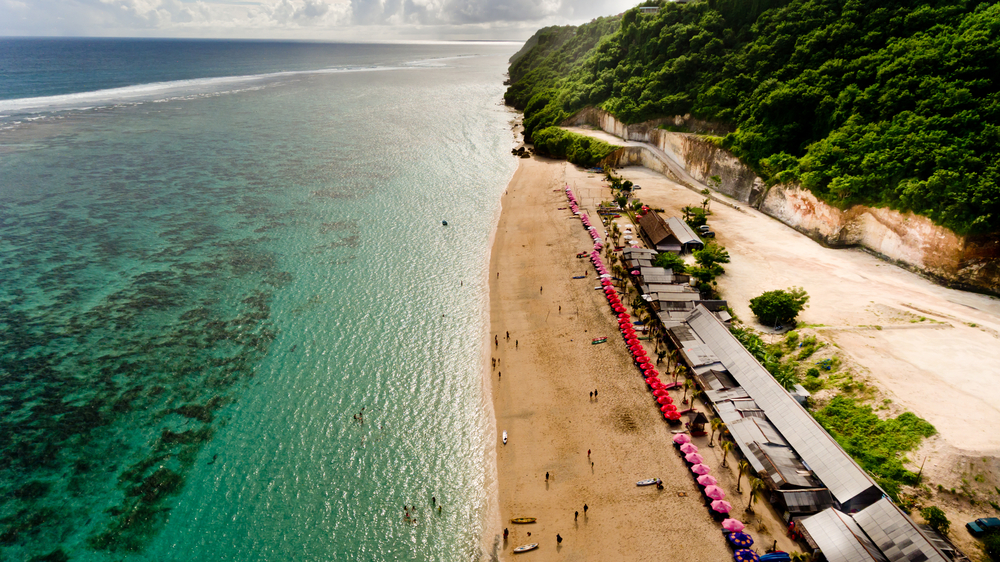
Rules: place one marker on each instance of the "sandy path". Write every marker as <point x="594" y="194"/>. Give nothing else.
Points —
<point x="540" y="391"/>
<point x="943" y="368"/>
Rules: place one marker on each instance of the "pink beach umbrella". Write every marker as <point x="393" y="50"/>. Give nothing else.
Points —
<point x="689" y="447"/>
<point x="734" y="525"/>
<point x="721" y="506"/>
<point x="715" y="492"/>
<point x="694" y="458"/>
<point x="682" y="438"/>
<point x="707" y="480"/>
<point x="699" y="468"/>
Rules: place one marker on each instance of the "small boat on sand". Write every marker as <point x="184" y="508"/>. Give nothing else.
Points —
<point x="505" y="437"/>
<point x="523" y="520"/>
<point x="596" y="341"/>
<point x="647" y="482"/>
<point x="525" y="548"/>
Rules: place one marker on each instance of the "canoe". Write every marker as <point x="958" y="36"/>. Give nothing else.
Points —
<point x="525" y="548"/>
<point x="522" y="520"/>
<point x="596" y="341"/>
<point x="647" y="482"/>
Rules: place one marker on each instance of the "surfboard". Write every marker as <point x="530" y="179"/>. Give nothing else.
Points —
<point x="526" y="548"/>
<point x="505" y="437"/>
<point x="523" y="520"/>
<point x="647" y="482"/>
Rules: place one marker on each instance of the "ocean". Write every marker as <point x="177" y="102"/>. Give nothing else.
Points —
<point x="232" y="324"/>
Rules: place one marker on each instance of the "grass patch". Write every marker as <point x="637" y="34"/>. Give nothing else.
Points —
<point x="877" y="445"/>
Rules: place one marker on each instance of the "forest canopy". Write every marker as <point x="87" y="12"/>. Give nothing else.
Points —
<point x="892" y="103"/>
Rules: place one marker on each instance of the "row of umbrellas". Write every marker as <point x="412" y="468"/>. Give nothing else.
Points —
<point x="737" y="538"/>
<point x="575" y="207"/>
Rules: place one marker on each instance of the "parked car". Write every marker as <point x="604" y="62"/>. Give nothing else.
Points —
<point x="983" y="525"/>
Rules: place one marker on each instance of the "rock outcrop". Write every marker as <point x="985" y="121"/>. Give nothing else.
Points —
<point x="913" y="241"/>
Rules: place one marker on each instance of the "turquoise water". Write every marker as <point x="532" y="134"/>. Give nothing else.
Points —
<point x="200" y="289"/>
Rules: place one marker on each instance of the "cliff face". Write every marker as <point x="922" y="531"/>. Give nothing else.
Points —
<point x="911" y="240"/>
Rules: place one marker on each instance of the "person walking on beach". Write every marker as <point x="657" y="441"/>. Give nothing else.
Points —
<point x="595" y="394"/>
<point x="546" y="476"/>
<point x="505" y="533"/>
<point x="585" y="508"/>
<point x="558" y="539"/>
<point x="515" y="344"/>
<point x="591" y="395"/>
<point x="508" y="336"/>
<point x="588" y="453"/>
<point x="576" y="515"/>
<point x="496" y="341"/>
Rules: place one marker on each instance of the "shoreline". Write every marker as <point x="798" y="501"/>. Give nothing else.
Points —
<point x="548" y="369"/>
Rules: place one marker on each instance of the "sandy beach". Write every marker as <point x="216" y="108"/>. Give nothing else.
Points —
<point x="541" y="393"/>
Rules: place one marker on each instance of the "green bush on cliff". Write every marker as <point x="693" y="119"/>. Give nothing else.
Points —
<point x="578" y="149"/>
<point x="895" y="103"/>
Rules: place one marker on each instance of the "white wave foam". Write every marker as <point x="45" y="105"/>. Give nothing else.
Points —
<point x="161" y="91"/>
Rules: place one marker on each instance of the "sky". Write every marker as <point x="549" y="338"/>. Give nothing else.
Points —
<point x="333" y="20"/>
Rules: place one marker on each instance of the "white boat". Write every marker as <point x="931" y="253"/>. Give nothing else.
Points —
<point x="526" y="548"/>
<point x="505" y="437"/>
<point x="647" y="482"/>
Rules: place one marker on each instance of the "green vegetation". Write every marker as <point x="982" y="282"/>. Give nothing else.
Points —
<point x="671" y="261"/>
<point x="578" y="149"/>
<point x="991" y="544"/>
<point x="891" y="104"/>
<point x="779" y="307"/>
<point x="876" y="444"/>
<point x="936" y="519"/>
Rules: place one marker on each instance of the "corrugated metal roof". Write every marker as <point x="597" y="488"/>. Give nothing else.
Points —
<point x="818" y="450"/>
<point x="895" y="534"/>
<point x="806" y="501"/>
<point x="782" y="466"/>
<point x="682" y="231"/>
<point x="655" y="228"/>
<point x="840" y="538"/>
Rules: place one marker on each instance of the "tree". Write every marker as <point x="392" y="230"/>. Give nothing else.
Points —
<point x="710" y="255"/>
<point x="756" y="486"/>
<point x="695" y="216"/>
<point x="716" y="423"/>
<point x="687" y="386"/>
<point x="727" y="446"/>
<point x="936" y="519"/>
<point x="744" y="467"/>
<point x="779" y="307"/>
<point x="671" y="261"/>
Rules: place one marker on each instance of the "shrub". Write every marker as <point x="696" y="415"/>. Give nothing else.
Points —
<point x="578" y="149"/>
<point x="671" y="261"/>
<point x="778" y="307"/>
<point x="936" y="519"/>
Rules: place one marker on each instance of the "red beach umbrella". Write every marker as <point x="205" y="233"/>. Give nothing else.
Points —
<point x="734" y="525"/>
<point x="707" y="480"/>
<point x="663" y="400"/>
<point x="651" y="381"/>
<point x="624" y="316"/>
<point x="701" y="469"/>
<point x="722" y="506"/>
<point x="645" y="366"/>
<point x="715" y="492"/>
<point x="632" y="341"/>
<point x="668" y="408"/>
<point x="660" y="392"/>
<point x="672" y="416"/>
<point x="651" y="373"/>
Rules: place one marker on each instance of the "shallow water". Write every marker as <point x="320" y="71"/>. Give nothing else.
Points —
<point x="201" y="288"/>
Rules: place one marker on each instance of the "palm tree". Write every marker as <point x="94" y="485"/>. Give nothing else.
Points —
<point x="671" y="358"/>
<point x="756" y="486"/>
<point x="678" y="370"/>
<point x="744" y="467"/>
<point x="716" y="423"/>
<point x="726" y="446"/>
<point x="800" y="557"/>
<point x="687" y="386"/>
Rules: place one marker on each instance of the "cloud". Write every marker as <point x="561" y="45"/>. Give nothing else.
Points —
<point x="326" y="19"/>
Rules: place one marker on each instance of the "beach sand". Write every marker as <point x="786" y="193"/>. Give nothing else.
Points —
<point x="541" y="390"/>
